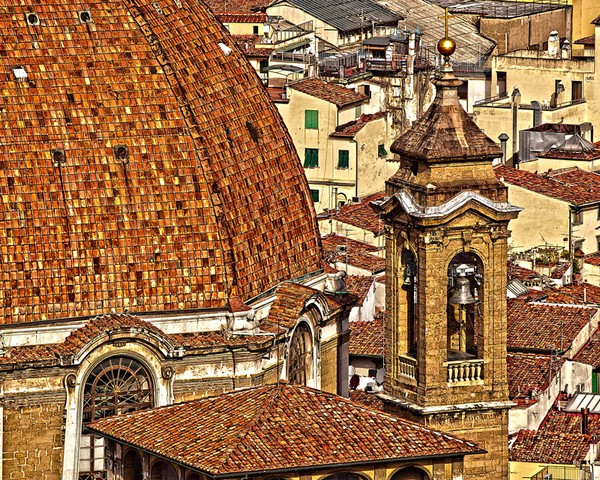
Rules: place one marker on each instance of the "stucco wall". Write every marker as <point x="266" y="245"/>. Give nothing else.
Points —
<point x="542" y="220"/>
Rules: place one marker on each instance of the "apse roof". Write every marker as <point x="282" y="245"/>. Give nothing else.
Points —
<point x="276" y="427"/>
<point x="142" y="165"/>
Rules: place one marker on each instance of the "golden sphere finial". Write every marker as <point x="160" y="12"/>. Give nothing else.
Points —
<point x="446" y="46"/>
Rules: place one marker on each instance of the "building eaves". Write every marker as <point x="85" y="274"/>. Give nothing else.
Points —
<point x="330" y="92"/>
<point x="274" y="428"/>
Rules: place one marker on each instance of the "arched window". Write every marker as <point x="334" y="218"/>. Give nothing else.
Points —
<point x="132" y="466"/>
<point x="163" y="471"/>
<point x="300" y="360"/>
<point x="345" y="476"/>
<point x="409" y="285"/>
<point x="465" y="289"/>
<point x="410" y="473"/>
<point x="116" y="385"/>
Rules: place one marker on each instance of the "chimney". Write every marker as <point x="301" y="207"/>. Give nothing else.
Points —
<point x="585" y="421"/>
<point x="554" y="44"/>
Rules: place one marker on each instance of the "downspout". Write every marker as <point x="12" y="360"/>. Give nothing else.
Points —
<point x="571" y="252"/>
<point x="356" y="168"/>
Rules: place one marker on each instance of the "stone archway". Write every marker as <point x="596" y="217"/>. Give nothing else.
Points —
<point x="410" y="473"/>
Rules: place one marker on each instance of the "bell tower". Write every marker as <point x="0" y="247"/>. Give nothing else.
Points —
<point x="447" y="216"/>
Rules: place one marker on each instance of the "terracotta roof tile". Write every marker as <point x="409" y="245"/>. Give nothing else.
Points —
<point x="366" y="338"/>
<point x="575" y="293"/>
<point x="352" y="252"/>
<point x="596" y="21"/>
<point x="240" y="6"/>
<point x="350" y="129"/>
<point x="247" y="44"/>
<point x="593" y="259"/>
<point x="361" y="214"/>
<point x="591" y="40"/>
<point x="330" y="92"/>
<point x="289" y="303"/>
<point x="237" y="17"/>
<point x="543" y="326"/>
<point x="590" y="352"/>
<point x="207" y="197"/>
<point x="530" y="372"/>
<point x="359" y="286"/>
<point x="366" y="399"/>
<point x="275" y="427"/>
<point x="571" y="185"/>
<point x="548" y="447"/>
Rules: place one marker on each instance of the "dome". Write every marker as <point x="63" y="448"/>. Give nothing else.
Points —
<point x="143" y="167"/>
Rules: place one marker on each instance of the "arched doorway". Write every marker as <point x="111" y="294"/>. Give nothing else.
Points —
<point x="410" y="473"/>
<point x="345" y="476"/>
<point x="300" y="359"/>
<point x="114" y="386"/>
<point x="163" y="471"/>
<point x="132" y="466"/>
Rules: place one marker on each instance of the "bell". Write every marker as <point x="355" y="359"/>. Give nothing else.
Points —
<point x="407" y="277"/>
<point x="462" y="294"/>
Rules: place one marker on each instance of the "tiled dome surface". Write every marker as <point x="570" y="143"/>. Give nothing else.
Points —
<point x="206" y="200"/>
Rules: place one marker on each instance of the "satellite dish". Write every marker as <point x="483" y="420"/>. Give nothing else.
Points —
<point x="380" y="375"/>
<point x="354" y="381"/>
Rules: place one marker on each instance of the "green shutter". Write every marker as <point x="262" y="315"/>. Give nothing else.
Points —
<point x="311" y="119"/>
<point x="315" y="195"/>
<point x="311" y="157"/>
<point x="595" y="381"/>
<point x="381" y="151"/>
<point x="344" y="159"/>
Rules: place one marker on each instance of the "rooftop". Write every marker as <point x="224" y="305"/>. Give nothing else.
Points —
<point x="360" y="214"/>
<point x="366" y="338"/>
<point x="548" y="447"/>
<point x="590" y="353"/>
<point x="359" y="286"/>
<point x="339" y="249"/>
<point x="264" y="428"/>
<point x="574" y="148"/>
<point x="143" y="166"/>
<point x="571" y="185"/>
<point x="529" y="373"/>
<point x="346" y="15"/>
<point x="542" y="326"/>
<point x="240" y="17"/>
<point x="496" y="8"/>
<point x="591" y="40"/>
<point x="330" y="92"/>
<point x="350" y="129"/>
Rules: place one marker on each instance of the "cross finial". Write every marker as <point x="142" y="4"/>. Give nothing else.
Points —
<point x="446" y="17"/>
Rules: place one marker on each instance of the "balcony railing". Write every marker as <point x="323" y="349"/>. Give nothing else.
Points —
<point x="465" y="371"/>
<point x="408" y="367"/>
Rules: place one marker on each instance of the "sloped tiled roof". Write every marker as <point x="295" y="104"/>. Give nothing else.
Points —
<point x="366" y="338"/>
<point x="330" y="92"/>
<point x="239" y="6"/>
<point x="529" y="372"/>
<point x="596" y="21"/>
<point x="359" y="286"/>
<point x="241" y="17"/>
<point x="346" y="15"/>
<point x="366" y="399"/>
<point x="357" y="254"/>
<point x="206" y="199"/>
<point x="545" y="326"/>
<point x="275" y="427"/>
<point x="592" y="259"/>
<point x="350" y="129"/>
<point x="361" y="214"/>
<point x="548" y="447"/>
<point x="571" y="185"/>
<point x="591" y="40"/>
<point x="290" y="300"/>
<point x="247" y="44"/>
<point x="590" y="352"/>
<point x="446" y="133"/>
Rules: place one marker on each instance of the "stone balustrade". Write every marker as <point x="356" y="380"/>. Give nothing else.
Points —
<point x="465" y="371"/>
<point x="408" y="367"/>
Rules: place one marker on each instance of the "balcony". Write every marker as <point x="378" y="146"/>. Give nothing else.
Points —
<point x="408" y="367"/>
<point x="464" y="371"/>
